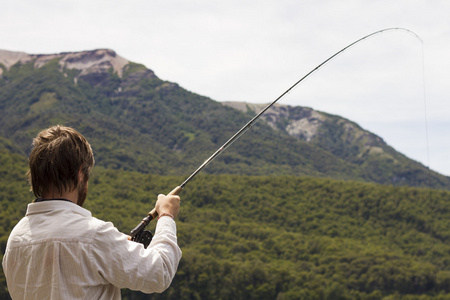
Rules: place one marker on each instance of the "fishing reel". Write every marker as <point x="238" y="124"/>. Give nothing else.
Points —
<point x="140" y="235"/>
<point x="144" y="237"/>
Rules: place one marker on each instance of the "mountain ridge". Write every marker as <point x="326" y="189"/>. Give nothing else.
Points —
<point x="305" y="124"/>
<point x="137" y="121"/>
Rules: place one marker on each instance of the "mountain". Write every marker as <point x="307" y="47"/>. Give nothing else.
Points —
<point x="136" y="121"/>
<point x="343" y="138"/>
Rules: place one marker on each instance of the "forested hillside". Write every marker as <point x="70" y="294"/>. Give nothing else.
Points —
<point x="136" y="121"/>
<point x="275" y="237"/>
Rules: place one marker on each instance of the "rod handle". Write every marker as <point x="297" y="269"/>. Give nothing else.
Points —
<point x="153" y="214"/>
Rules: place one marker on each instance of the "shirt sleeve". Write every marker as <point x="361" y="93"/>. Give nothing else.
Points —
<point x="127" y="264"/>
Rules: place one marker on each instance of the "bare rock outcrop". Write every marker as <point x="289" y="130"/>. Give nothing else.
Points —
<point x="300" y="122"/>
<point x="88" y="62"/>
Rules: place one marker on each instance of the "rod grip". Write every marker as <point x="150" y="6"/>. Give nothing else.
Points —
<point x="153" y="214"/>
<point x="176" y="191"/>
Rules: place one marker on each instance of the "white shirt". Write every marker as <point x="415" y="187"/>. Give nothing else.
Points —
<point x="59" y="251"/>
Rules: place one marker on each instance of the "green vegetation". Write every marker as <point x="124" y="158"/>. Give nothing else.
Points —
<point x="276" y="237"/>
<point x="142" y="123"/>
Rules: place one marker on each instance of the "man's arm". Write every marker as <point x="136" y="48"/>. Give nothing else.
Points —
<point x="127" y="264"/>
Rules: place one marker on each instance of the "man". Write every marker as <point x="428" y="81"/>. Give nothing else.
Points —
<point x="59" y="251"/>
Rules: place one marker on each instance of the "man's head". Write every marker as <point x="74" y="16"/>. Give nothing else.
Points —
<point x="61" y="160"/>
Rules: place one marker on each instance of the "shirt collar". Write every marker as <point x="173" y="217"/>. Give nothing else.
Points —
<point x="46" y="206"/>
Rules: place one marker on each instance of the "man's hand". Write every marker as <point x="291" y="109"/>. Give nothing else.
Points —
<point x="169" y="204"/>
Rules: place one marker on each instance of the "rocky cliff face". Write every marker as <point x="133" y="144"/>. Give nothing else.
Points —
<point x="87" y="62"/>
<point x="300" y="122"/>
<point x="343" y="137"/>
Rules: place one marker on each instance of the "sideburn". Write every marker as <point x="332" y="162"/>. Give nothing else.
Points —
<point x="82" y="192"/>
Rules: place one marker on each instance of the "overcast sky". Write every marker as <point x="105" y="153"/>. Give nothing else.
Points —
<point x="236" y="50"/>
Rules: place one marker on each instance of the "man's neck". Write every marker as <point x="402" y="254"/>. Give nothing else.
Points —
<point x="71" y="196"/>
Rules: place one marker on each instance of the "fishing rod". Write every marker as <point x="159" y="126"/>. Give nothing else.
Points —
<point x="138" y="234"/>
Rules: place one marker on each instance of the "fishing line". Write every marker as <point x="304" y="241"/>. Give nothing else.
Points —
<point x="426" y="116"/>
<point x="426" y="129"/>
<point x="427" y="134"/>
<point x="137" y="231"/>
